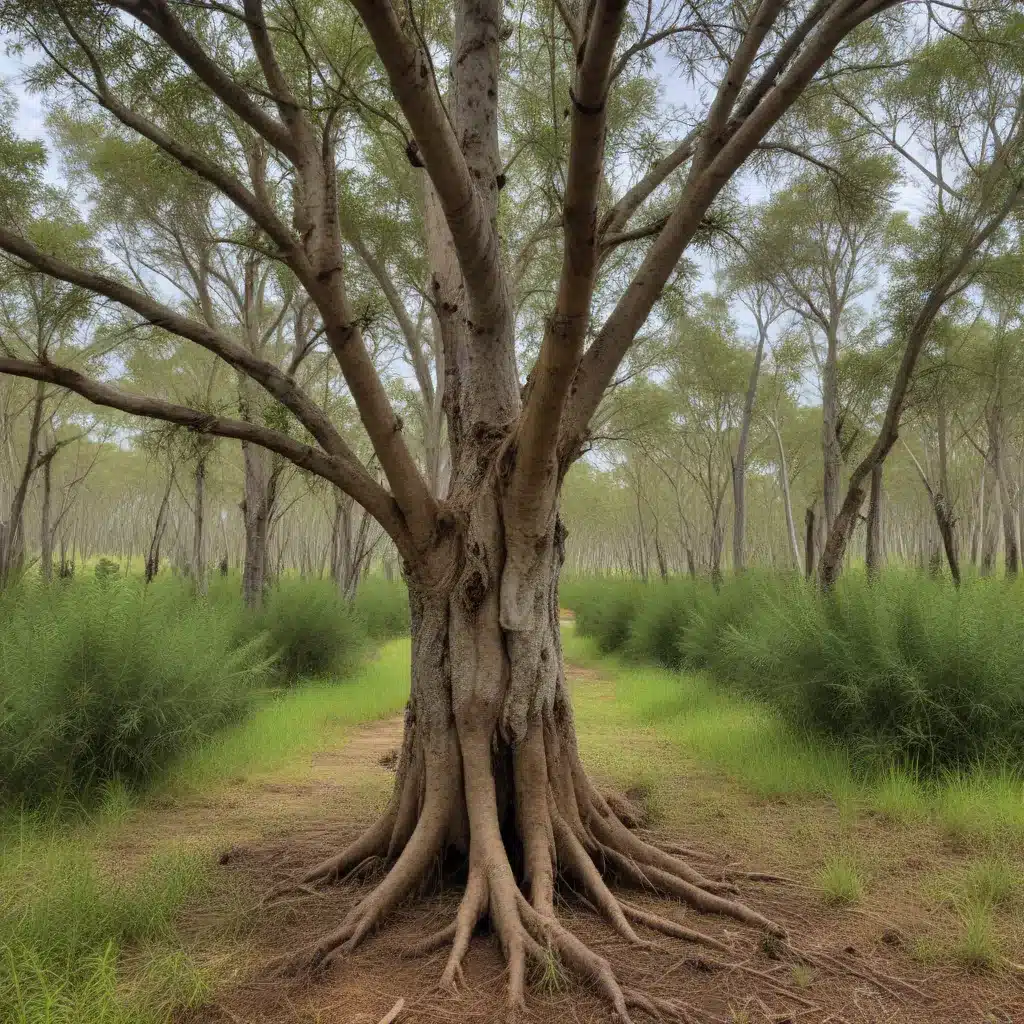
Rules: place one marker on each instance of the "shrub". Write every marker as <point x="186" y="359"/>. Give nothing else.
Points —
<point x="310" y="628"/>
<point x="904" y="670"/>
<point x="109" y="679"/>
<point x="383" y="607"/>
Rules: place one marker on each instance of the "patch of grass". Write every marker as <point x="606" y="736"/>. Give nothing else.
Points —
<point x="109" y="679"/>
<point x="982" y="806"/>
<point x="66" y="928"/>
<point x="292" y="725"/>
<point x="897" y="796"/>
<point x="802" y="975"/>
<point x="977" y="947"/>
<point x="840" y="882"/>
<point x="906" y="669"/>
<point x="991" y="881"/>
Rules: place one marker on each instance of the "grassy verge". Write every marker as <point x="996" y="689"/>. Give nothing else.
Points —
<point x="88" y="934"/>
<point x="752" y="743"/>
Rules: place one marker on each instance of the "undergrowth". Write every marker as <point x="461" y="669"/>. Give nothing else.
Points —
<point x="905" y="670"/>
<point x="104" y="678"/>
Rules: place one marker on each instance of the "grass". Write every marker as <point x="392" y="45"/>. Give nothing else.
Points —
<point x="753" y="743"/>
<point x="291" y="726"/>
<point x="840" y="882"/>
<point x="905" y="670"/>
<point x="85" y="941"/>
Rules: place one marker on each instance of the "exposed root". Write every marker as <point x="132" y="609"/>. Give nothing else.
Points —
<point x="668" y="927"/>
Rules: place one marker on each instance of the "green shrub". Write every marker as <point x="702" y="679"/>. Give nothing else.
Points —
<point x="383" y="607"/>
<point x="310" y="629"/>
<point x="905" y="670"/>
<point x="110" y="679"/>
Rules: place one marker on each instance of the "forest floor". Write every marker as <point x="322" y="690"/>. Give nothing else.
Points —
<point x="897" y="916"/>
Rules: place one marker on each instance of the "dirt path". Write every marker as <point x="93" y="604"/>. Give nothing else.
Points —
<point x="857" y="968"/>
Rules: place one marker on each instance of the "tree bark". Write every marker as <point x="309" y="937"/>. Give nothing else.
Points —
<point x="787" y="501"/>
<point x="997" y="460"/>
<point x="45" y="529"/>
<point x="12" y="537"/>
<point x="739" y="465"/>
<point x="831" y="452"/>
<point x="198" y="563"/>
<point x="153" y="555"/>
<point x="809" y="541"/>
<point x="873" y="545"/>
<point x="261" y="473"/>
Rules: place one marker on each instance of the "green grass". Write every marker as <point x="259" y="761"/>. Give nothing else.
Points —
<point x="840" y="882"/>
<point x="298" y="722"/>
<point x="79" y="945"/>
<point x="906" y="670"/>
<point x="84" y="943"/>
<point x="753" y="743"/>
<point x="977" y="948"/>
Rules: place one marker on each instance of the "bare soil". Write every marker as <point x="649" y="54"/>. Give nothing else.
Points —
<point x="854" y="965"/>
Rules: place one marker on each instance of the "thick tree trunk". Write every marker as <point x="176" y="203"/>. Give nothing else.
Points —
<point x="739" y="464"/>
<point x="489" y="773"/>
<point x="873" y="543"/>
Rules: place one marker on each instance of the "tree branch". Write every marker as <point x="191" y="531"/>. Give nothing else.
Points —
<point x="360" y="485"/>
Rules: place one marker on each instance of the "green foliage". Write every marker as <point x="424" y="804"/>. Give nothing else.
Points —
<point x="840" y="882"/>
<point x="108" y="679"/>
<point x="310" y="628"/>
<point x="65" y="925"/>
<point x="382" y="605"/>
<point x="908" y="670"/>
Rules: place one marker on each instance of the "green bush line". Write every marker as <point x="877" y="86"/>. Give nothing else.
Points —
<point x="905" y="670"/>
<point x="105" y="678"/>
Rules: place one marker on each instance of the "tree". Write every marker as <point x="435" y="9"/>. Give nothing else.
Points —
<point x="489" y="730"/>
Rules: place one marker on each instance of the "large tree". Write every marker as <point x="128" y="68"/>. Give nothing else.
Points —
<point x="266" y="106"/>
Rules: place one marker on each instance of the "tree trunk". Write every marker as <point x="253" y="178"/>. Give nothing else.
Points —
<point x="739" y="464"/>
<point x="198" y="565"/>
<point x="489" y="774"/>
<point x="153" y="556"/>
<point x="260" y="483"/>
<point x="831" y="451"/>
<point x="809" y="541"/>
<point x="787" y="501"/>
<point x="998" y="463"/>
<point x="45" y="529"/>
<point x="12" y="537"/>
<point x="873" y="544"/>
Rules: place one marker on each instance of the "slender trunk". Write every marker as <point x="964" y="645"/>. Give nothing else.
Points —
<point x="739" y="464"/>
<point x="12" y="539"/>
<point x="830" y="449"/>
<point x="153" y="557"/>
<point x="260" y="490"/>
<point x="873" y="544"/>
<point x="198" y="520"/>
<point x="998" y="463"/>
<point x="810" y="531"/>
<point x="787" y="501"/>
<point x="45" y="530"/>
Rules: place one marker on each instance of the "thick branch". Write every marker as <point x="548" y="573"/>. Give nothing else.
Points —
<point x="408" y="70"/>
<point x="601" y="360"/>
<point x="535" y="470"/>
<point x="285" y="390"/>
<point x="360" y="485"/>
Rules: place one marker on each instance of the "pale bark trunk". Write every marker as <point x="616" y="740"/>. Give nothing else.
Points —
<point x="153" y="556"/>
<point x="830" y="449"/>
<point x="739" y="466"/>
<point x="998" y="463"/>
<point x="260" y="483"/>
<point x="787" y="502"/>
<point x="12" y="538"/>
